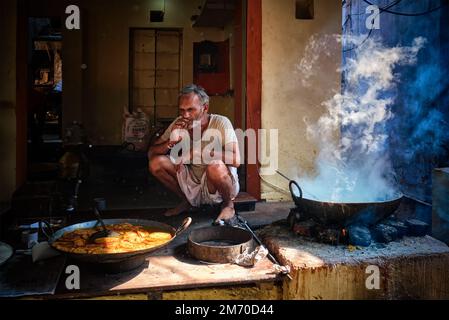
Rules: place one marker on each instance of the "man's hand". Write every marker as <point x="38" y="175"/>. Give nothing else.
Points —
<point x="161" y="147"/>
<point x="181" y="124"/>
<point x="172" y="143"/>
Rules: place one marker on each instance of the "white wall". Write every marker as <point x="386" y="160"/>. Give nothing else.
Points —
<point x="285" y="101"/>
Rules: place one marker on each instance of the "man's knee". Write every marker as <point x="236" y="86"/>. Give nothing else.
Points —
<point x="216" y="170"/>
<point x="157" y="164"/>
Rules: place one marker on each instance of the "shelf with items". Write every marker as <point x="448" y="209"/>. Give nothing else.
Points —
<point x="211" y="66"/>
<point x="44" y="88"/>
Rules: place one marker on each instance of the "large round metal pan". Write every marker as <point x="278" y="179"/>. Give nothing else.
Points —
<point x="117" y="257"/>
<point x="344" y="214"/>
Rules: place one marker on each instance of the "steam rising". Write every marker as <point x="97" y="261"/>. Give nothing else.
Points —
<point x="353" y="164"/>
<point x="317" y="47"/>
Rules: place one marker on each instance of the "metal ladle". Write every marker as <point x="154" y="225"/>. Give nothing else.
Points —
<point x="105" y="233"/>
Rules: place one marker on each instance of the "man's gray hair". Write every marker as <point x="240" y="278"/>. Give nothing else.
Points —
<point x="198" y="90"/>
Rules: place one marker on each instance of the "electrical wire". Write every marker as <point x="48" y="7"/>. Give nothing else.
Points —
<point x="387" y="10"/>
<point x="411" y="14"/>
<point x="383" y="9"/>
<point x="273" y="186"/>
<point x="361" y="43"/>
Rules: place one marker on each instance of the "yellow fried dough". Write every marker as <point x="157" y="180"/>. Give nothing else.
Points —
<point x="159" y="236"/>
<point x="82" y="250"/>
<point x="143" y="233"/>
<point x="127" y="245"/>
<point x="79" y="243"/>
<point x="107" y="240"/>
<point x="130" y="238"/>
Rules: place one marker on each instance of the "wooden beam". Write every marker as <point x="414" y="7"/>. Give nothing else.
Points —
<point x="253" y="85"/>
<point x="21" y="92"/>
<point x="238" y="63"/>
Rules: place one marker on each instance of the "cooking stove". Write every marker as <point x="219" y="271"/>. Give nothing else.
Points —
<point x="412" y="218"/>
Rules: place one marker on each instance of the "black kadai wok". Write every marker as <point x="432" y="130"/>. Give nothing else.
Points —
<point x="342" y="213"/>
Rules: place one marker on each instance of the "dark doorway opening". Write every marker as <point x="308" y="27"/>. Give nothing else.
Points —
<point x="44" y="107"/>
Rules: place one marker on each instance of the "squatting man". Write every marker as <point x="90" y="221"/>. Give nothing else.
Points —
<point x="197" y="156"/>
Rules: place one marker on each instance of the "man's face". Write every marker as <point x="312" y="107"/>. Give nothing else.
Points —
<point x="191" y="109"/>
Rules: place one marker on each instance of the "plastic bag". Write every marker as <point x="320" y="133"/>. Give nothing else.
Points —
<point x="249" y="259"/>
<point x="136" y="129"/>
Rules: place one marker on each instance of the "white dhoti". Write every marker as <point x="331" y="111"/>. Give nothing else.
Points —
<point x="196" y="190"/>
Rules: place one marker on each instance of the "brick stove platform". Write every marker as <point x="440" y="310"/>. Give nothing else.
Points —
<point x="410" y="268"/>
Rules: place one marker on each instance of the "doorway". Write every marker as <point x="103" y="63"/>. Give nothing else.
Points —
<point x="155" y="73"/>
<point x="44" y="107"/>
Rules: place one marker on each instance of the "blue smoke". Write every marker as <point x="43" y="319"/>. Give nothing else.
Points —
<point x="418" y="132"/>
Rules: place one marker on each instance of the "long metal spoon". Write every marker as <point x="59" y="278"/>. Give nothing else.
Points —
<point x="270" y="256"/>
<point x="105" y="233"/>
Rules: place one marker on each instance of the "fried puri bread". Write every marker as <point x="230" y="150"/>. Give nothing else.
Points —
<point x="130" y="238"/>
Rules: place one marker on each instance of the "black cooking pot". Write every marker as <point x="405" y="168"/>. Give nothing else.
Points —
<point x="343" y="214"/>
<point x="117" y="262"/>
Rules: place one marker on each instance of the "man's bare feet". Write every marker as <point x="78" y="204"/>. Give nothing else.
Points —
<point x="227" y="212"/>
<point x="180" y="208"/>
